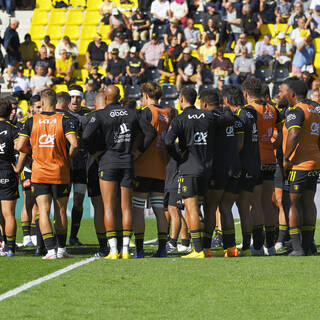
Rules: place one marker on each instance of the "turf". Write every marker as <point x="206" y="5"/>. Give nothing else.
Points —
<point x="234" y="288"/>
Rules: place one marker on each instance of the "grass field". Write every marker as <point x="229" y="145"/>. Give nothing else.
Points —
<point x="173" y="288"/>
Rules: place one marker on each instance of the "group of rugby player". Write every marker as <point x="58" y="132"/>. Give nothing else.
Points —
<point x="237" y="147"/>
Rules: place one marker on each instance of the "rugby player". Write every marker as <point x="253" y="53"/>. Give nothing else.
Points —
<point x="302" y="162"/>
<point x="48" y="133"/>
<point x="150" y="170"/>
<point x="194" y="129"/>
<point x="268" y="119"/>
<point x="119" y="126"/>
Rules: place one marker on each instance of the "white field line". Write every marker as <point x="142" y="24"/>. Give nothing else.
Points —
<point x="50" y="276"/>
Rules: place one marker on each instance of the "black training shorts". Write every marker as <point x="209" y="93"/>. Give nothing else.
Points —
<point x="226" y="183"/>
<point x="9" y="183"/>
<point x="78" y="176"/>
<point x="93" y="181"/>
<point x="123" y="176"/>
<point x="247" y="182"/>
<point x="147" y="185"/>
<point x="56" y="190"/>
<point x="189" y="186"/>
<point x="301" y="180"/>
<point x="172" y="199"/>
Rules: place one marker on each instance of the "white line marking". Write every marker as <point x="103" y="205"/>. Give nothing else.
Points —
<point x="33" y="283"/>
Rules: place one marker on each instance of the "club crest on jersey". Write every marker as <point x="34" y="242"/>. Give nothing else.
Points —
<point x="47" y="140"/>
<point x="196" y="116"/>
<point x="230" y="131"/>
<point x="200" y="138"/>
<point x="2" y="146"/>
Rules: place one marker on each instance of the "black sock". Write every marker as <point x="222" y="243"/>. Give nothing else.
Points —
<point x="75" y="222"/>
<point x="258" y="238"/>
<point x="283" y="233"/>
<point x="25" y="228"/>
<point x="102" y="239"/>
<point x="173" y="242"/>
<point x="270" y="235"/>
<point x="61" y="238"/>
<point x="162" y="240"/>
<point x="307" y="238"/>
<point x="40" y="242"/>
<point x="119" y="240"/>
<point x="295" y="237"/>
<point x="228" y="238"/>
<point x="246" y="240"/>
<point x="206" y="240"/>
<point x="185" y="242"/>
<point x="49" y="240"/>
<point x="196" y="239"/>
<point x="33" y="231"/>
<point x="138" y="239"/>
<point x="11" y="242"/>
<point x="1" y="236"/>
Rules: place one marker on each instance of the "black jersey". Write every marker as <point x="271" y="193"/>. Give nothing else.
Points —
<point x="226" y="154"/>
<point x="8" y="133"/>
<point x="249" y="155"/>
<point x="194" y="129"/>
<point x="119" y="126"/>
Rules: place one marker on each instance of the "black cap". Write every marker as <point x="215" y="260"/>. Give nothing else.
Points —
<point x="13" y="100"/>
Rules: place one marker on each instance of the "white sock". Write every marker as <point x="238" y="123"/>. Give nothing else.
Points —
<point x="62" y="249"/>
<point x="113" y="245"/>
<point x="51" y="252"/>
<point x="34" y="240"/>
<point x="26" y="239"/>
<point x="125" y="245"/>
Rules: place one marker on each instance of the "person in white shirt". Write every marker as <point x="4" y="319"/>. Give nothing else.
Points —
<point x="160" y="10"/>
<point x="179" y="10"/>
<point x="297" y="35"/>
<point x="243" y="43"/>
<point x="119" y="44"/>
<point x="39" y="82"/>
<point x="20" y="85"/>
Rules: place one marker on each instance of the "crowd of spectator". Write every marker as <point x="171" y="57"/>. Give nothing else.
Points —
<point x="178" y="42"/>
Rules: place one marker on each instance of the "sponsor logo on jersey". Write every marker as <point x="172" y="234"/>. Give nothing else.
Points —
<point x="291" y="117"/>
<point x="312" y="110"/>
<point x="196" y="116"/>
<point x="47" y="141"/>
<point x="254" y="133"/>
<point x="93" y="119"/>
<point x="118" y="113"/>
<point x="4" y="132"/>
<point x="124" y="128"/>
<point x="267" y="115"/>
<point x="123" y="135"/>
<point x="237" y="124"/>
<point x="47" y="121"/>
<point x="4" y="181"/>
<point x="2" y="146"/>
<point x="230" y="131"/>
<point x="163" y="118"/>
<point x="200" y="138"/>
<point x="314" y="128"/>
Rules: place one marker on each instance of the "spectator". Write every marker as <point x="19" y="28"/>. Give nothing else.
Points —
<point x="303" y="59"/>
<point x="152" y="51"/>
<point x="266" y="11"/>
<point x="28" y="50"/>
<point x="221" y="67"/>
<point x="43" y="61"/>
<point x="125" y="32"/>
<point x="12" y="44"/>
<point x="105" y="10"/>
<point x="63" y="68"/>
<point x="179" y="10"/>
<point x="251" y="22"/>
<point x="173" y="30"/>
<point x="116" y="69"/>
<point x="220" y="84"/>
<point x="243" y="67"/>
<point x="315" y="96"/>
<point x="211" y="14"/>
<point x="70" y="47"/>
<point x="283" y="11"/>
<point x="97" y="53"/>
<point x="20" y="85"/>
<point x="126" y="7"/>
<point x="315" y="22"/>
<point x="50" y="47"/>
<point x="167" y="67"/>
<point x="189" y="70"/>
<point x="243" y="43"/>
<point x="160" y="11"/>
<point x="298" y="13"/>
<point x="307" y="78"/>
<point x="297" y="35"/>
<point x="192" y="35"/>
<point x="97" y="78"/>
<point x="7" y="5"/>
<point x="264" y="51"/>
<point x="40" y="81"/>
<point x="314" y="87"/>
<point x="90" y="94"/>
<point x="119" y="44"/>
<point x="177" y="49"/>
<point x="213" y="30"/>
<point x="135" y="68"/>
<point x="313" y="4"/>
<point x="233" y="21"/>
<point x="207" y="51"/>
<point x="140" y="24"/>
<point x="118" y="18"/>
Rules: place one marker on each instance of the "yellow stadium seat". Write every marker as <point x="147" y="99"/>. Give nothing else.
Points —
<point x="24" y="106"/>
<point x="120" y="86"/>
<point x="39" y="17"/>
<point x="102" y="71"/>
<point x="57" y="18"/>
<point x="44" y="5"/>
<point x="281" y="27"/>
<point x="200" y="27"/>
<point x="55" y="32"/>
<point x="78" y="3"/>
<point x="317" y="61"/>
<point x="104" y="30"/>
<point x="81" y="60"/>
<point x="267" y="28"/>
<point x="75" y="17"/>
<point x="93" y="4"/>
<point x="37" y="32"/>
<point x="83" y="46"/>
<point x="84" y="74"/>
<point x="88" y="32"/>
<point x="230" y="56"/>
<point x="316" y="43"/>
<point x="60" y="87"/>
<point x="92" y="18"/>
<point x="195" y="54"/>
<point x="72" y="32"/>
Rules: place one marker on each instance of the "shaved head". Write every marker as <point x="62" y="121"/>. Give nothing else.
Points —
<point x="112" y="94"/>
<point x="100" y="101"/>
